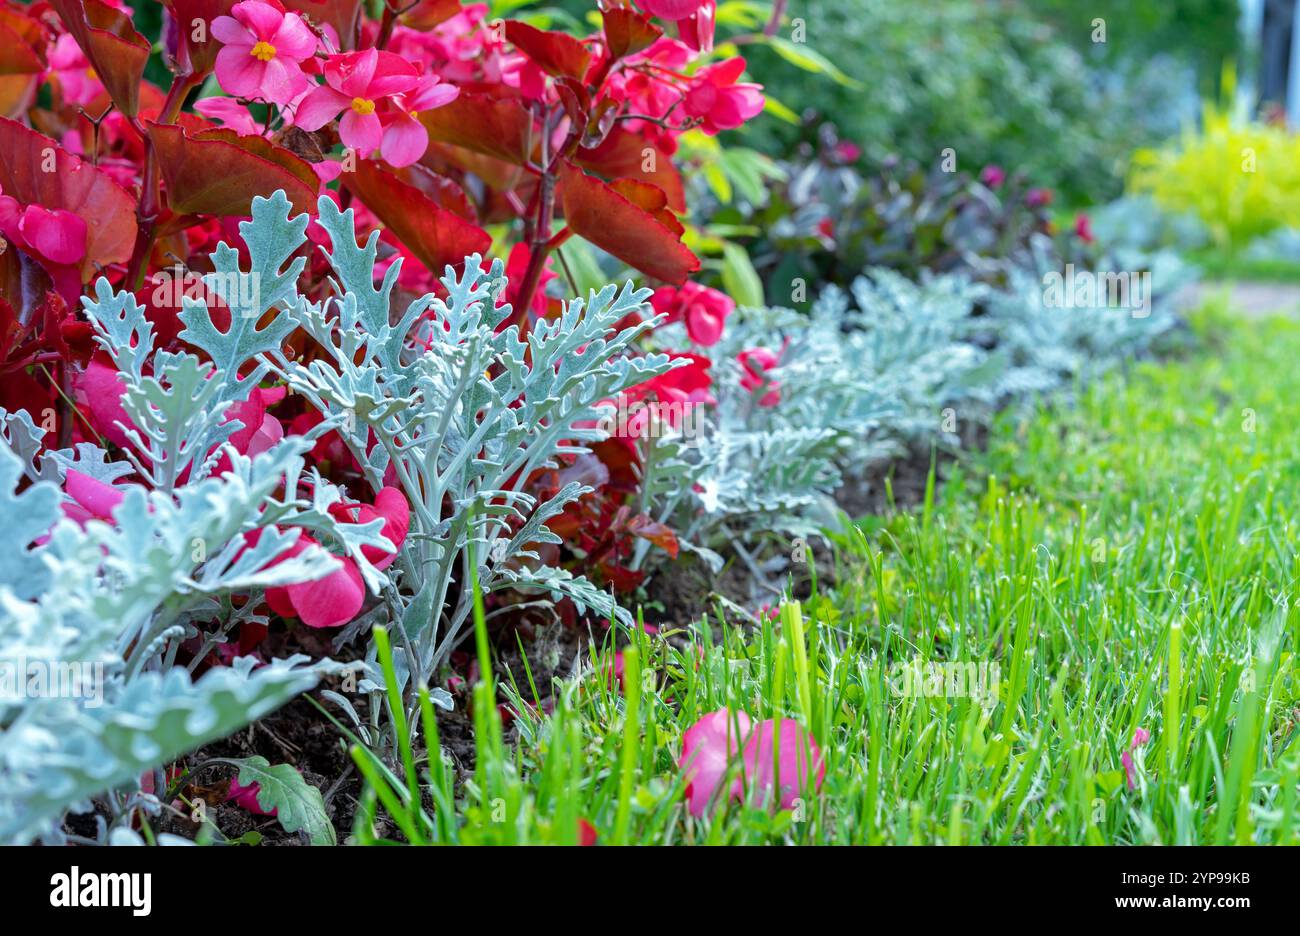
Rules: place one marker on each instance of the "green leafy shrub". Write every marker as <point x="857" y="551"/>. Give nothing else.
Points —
<point x="1241" y="178"/>
<point x="992" y="81"/>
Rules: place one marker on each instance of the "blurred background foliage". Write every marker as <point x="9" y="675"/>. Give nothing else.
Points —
<point x="1019" y="83"/>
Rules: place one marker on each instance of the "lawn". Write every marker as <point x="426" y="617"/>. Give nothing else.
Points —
<point x="1112" y="574"/>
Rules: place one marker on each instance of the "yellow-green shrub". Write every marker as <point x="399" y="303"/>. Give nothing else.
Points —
<point x="1242" y="179"/>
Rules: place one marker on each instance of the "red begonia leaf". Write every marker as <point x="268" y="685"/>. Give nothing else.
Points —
<point x="442" y="191"/>
<point x="649" y="198"/>
<point x="490" y="125"/>
<point x="19" y="39"/>
<point x="73" y="185"/>
<point x="436" y="236"/>
<point x="597" y="211"/>
<point x="558" y="54"/>
<point x="624" y="154"/>
<point x="628" y="32"/>
<point x="429" y="13"/>
<point x="189" y="14"/>
<point x="219" y="172"/>
<point x="341" y="14"/>
<point x="116" y="51"/>
<point x="20" y="62"/>
<point x="660" y="534"/>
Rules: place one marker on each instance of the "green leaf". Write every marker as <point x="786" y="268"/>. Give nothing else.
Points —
<point x="778" y="110"/>
<point x="718" y="182"/>
<point x="801" y="56"/>
<point x="747" y="169"/>
<point x="580" y="259"/>
<point x="739" y="278"/>
<point x="299" y="805"/>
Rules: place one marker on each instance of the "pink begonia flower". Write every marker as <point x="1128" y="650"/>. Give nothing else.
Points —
<point x="716" y="99"/>
<point x="992" y="176"/>
<point x="73" y="70"/>
<point x="391" y="507"/>
<point x="59" y="236"/>
<point x="670" y="9"/>
<point x="230" y="113"/>
<point x="798" y="761"/>
<point x="645" y="92"/>
<point x="846" y="152"/>
<point x="755" y="364"/>
<point x="327" y="170"/>
<point x="682" y="387"/>
<point x="405" y="138"/>
<point x="356" y="83"/>
<point x="336" y="598"/>
<point x="101" y="387"/>
<point x="324" y="602"/>
<point x="263" y="46"/>
<point x="259" y="430"/>
<point x="708" y="747"/>
<point x="1038" y="197"/>
<point x="1083" y="228"/>
<point x="92" y="499"/>
<point x="245" y="797"/>
<point x="704" y="310"/>
<point x="697" y="29"/>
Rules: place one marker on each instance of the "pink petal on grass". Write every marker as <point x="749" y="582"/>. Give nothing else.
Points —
<point x="708" y="747"/>
<point x="800" y="761"/>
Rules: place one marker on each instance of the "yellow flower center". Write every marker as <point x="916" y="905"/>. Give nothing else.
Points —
<point x="363" y="106"/>
<point x="90" y="73"/>
<point x="263" y="51"/>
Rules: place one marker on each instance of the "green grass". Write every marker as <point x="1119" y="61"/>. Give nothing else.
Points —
<point x="1127" y="562"/>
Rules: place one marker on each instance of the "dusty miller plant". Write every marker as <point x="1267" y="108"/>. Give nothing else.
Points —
<point x="885" y="364"/>
<point x="97" y="614"/>
<point x="464" y="411"/>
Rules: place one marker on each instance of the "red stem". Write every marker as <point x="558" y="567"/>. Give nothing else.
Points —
<point x="150" y="207"/>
